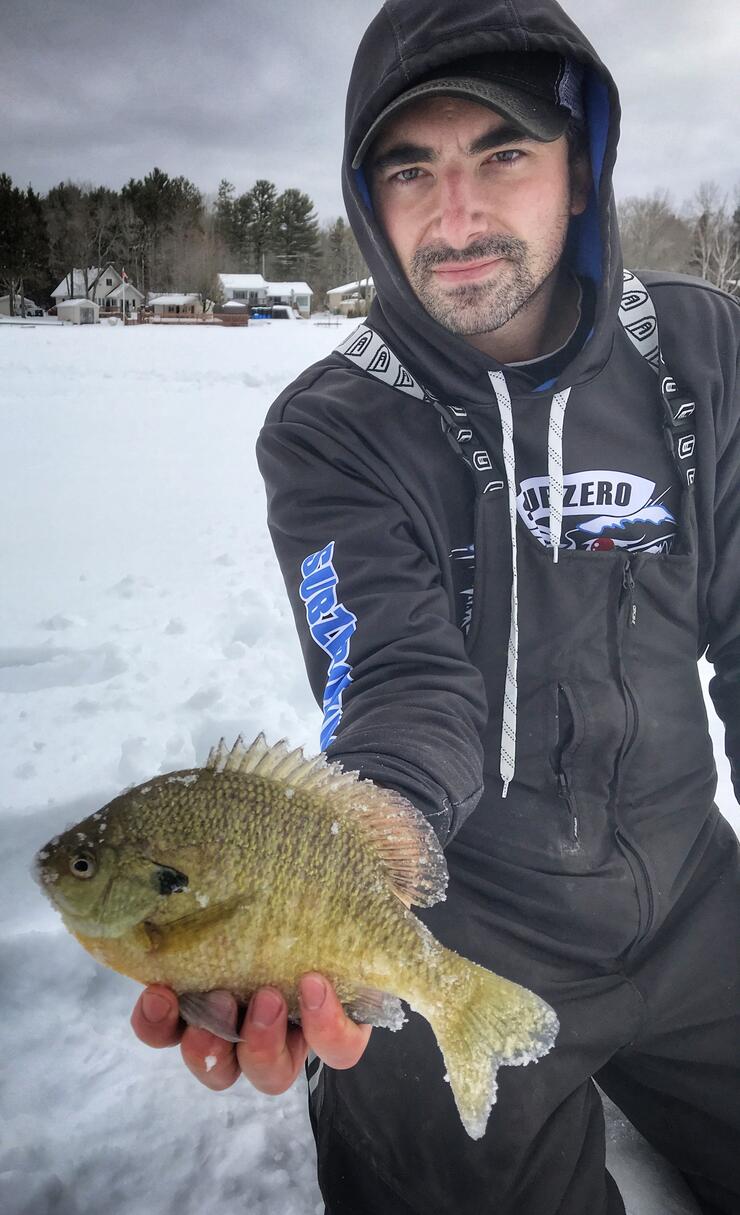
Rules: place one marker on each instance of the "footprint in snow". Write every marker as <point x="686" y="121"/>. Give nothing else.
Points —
<point x="32" y="668"/>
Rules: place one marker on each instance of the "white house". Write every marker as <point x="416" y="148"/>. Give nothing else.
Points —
<point x="31" y="308"/>
<point x="249" y="288"/>
<point x="297" y="295"/>
<point x="353" y="298"/>
<point x="105" y="286"/>
<point x="79" y="312"/>
<point x="176" y="303"/>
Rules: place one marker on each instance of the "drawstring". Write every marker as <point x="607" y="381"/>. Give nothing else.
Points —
<point x="508" y="729"/>
<point x="555" y="468"/>
<point x="507" y="756"/>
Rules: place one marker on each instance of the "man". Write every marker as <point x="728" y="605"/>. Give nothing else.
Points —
<point x="528" y="537"/>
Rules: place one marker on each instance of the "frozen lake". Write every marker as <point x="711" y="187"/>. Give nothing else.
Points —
<point x="142" y="617"/>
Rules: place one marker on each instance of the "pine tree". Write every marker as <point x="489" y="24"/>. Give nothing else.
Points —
<point x="262" y="200"/>
<point x="296" y="235"/>
<point x="24" y="249"/>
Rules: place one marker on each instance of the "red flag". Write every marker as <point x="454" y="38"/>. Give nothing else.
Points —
<point x="124" y="275"/>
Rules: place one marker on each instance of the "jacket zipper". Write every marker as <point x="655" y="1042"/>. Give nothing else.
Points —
<point x="564" y="790"/>
<point x="628" y="605"/>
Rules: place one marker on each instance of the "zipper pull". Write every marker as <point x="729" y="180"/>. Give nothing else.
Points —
<point x="564" y="792"/>
<point x="628" y="583"/>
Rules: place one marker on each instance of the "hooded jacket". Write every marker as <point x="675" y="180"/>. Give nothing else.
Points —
<point x="400" y="567"/>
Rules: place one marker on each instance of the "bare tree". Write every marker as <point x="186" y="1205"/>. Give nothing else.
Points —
<point x="654" y="237"/>
<point x="716" y="248"/>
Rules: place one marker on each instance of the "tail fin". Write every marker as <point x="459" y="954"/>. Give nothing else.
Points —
<point x="482" y="1021"/>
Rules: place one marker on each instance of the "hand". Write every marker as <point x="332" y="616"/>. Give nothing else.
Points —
<point x="271" y="1053"/>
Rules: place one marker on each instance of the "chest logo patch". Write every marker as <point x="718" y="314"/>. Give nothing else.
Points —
<point x="601" y="509"/>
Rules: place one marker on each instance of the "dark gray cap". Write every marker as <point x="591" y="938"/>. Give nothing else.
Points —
<point x="538" y="91"/>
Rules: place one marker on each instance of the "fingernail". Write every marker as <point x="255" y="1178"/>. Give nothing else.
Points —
<point x="265" y="1008"/>
<point x="313" y="992"/>
<point x="155" y="1008"/>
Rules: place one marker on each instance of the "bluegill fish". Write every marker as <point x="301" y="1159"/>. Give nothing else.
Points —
<point x="263" y="865"/>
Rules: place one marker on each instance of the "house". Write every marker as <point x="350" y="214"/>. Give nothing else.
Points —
<point x="105" y="286"/>
<point x="249" y="288"/>
<point x="352" y="299"/>
<point x="19" y="306"/>
<point x="176" y="303"/>
<point x="79" y="312"/>
<point x="296" y="295"/>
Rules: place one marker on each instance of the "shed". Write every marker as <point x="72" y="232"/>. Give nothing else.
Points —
<point x="79" y="312"/>
<point x="233" y="312"/>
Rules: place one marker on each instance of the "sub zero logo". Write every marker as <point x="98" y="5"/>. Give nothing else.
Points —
<point x="598" y="502"/>
<point x="331" y="627"/>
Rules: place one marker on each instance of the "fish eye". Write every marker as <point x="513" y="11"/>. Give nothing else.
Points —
<point x="83" y="865"/>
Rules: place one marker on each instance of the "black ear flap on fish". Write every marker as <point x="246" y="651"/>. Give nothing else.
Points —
<point x="167" y="880"/>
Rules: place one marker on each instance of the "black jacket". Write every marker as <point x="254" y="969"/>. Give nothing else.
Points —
<point x="399" y="568"/>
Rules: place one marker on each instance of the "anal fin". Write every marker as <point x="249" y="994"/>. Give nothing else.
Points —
<point x="371" y="1007"/>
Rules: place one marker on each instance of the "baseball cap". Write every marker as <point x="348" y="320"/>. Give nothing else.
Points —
<point x="538" y="90"/>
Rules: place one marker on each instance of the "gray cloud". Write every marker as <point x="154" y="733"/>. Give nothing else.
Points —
<point x="97" y="91"/>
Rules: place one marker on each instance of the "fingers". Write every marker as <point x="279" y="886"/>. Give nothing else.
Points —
<point x="211" y="1059"/>
<point x="326" y="1027"/>
<point x="271" y="1053"/>
<point x="156" y="1017"/>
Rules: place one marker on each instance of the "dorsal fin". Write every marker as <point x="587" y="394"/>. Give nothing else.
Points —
<point x="394" y="829"/>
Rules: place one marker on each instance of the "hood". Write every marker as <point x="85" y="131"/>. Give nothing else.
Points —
<point x="406" y="40"/>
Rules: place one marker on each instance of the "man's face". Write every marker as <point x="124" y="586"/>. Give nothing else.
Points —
<point x="476" y="213"/>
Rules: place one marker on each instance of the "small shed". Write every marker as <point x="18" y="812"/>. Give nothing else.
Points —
<point x="233" y="312"/>
<point x="79" y="312"/>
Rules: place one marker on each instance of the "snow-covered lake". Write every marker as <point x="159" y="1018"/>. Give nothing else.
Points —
<point x="142" y="617"/>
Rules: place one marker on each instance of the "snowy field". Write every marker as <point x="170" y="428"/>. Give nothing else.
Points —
<point x="143" y="616"/>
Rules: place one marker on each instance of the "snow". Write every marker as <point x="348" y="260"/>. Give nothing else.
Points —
<point x="173" y="298"/>
<point x="242" y="282"/>
<point x="351" y="286"/>
<point x="288" y="289"/>
<point x="142" y="618"/>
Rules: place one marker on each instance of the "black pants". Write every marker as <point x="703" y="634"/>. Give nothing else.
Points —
<point x="659" y="1030"/>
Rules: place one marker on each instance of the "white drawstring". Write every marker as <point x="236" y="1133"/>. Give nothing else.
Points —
<point x="507" y="756"/>
<point x="555" y="468"/>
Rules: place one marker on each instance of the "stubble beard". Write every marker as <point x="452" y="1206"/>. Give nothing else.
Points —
<point x="480" y="307"/>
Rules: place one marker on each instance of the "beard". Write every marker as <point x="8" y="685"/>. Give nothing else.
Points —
<point x="480" y="307"/>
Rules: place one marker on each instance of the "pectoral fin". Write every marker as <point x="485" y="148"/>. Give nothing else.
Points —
<point x="191" y="928"/>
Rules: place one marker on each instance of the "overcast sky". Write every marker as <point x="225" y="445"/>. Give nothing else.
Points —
<point x="100" y="91"/>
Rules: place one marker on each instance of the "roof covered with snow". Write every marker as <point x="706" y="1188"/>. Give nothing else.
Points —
<point x="83" y="299"/>
<point x="78" y="280"/>
<point x="288" y="289"/>
<point x="348" y="287"/>
<point x="174" y="298"/>
<point x="242" y="282"/>
<point x="127" y="289"/>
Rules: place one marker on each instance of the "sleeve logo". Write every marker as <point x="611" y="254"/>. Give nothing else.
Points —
<point x="331" y="626"/>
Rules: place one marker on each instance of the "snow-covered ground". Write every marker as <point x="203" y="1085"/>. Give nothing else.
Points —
<point x="143" y="616"/>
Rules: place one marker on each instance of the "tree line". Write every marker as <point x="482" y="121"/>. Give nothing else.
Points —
<point x="702" y="237"/>
<point x="169" y="237"/>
